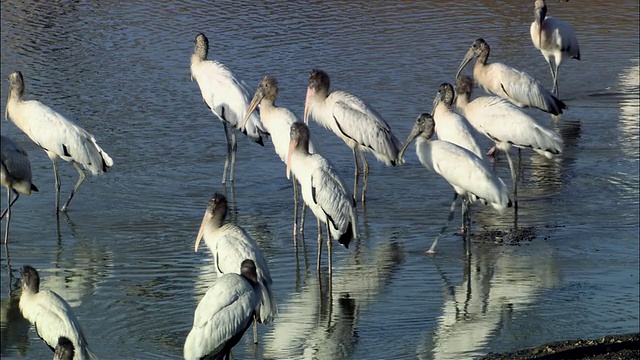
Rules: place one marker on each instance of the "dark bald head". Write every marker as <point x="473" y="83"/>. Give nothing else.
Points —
<point x="464" y="85"/>
<point x="319" y="80"/>
<point x="445" y="94"/>
<point x="217" y="207"/>
<point x="269" y="88"/>
<point x="201" y="48"/>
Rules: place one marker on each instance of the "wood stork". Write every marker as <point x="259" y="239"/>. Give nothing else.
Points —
<point x="506" y="125"/>
<point x="514" y="85"/>
<point x="555" y="39"/>
<point x="277" y="121"/>
<point x="59" y="136"/>
<point x="454" y="128"/>
<point x="64" y="349"/>
<point x="230" y="245"/>
<point x="322" y="191"/>
<point x="51" y="315"/>
<point x="355" y="122"/>
<point x="470" y="176"/>
<point x="15" y="175"/>
<point x="224" y="314"/>
<point x="227" y="97"/>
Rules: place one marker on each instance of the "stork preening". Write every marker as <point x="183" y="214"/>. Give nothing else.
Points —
<point x="555" y="39"/>
<point x="277" y="120"/>
<point x="322" y="191"/>
<point x="506" y="125"/>
<point x="51" y="315"/>
<point x="514" y="85"/>
<point x="224" y="314"/>
<point x="228" y="99"/>
<point x="470" y="176"/>
<point x="59" y="136"/>
<point x="355" y="122"/>
<point x="230" y="245"/>
<point x="15" y="175"/>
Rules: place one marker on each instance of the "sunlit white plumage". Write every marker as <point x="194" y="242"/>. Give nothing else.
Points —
<point x="355" y="122"/>
<point x="554" y="38"/>
<point x="505" y="124"/>
<point x="224" y="314"/>
<point x="467" y="173"/>
<point x="277" y="120"/>
<point x="230" y="245"/>
<point x="51" y="315"/>
<point x="59" y="136"/>
<point x="514" y="85"/>
<point x="322" y="190"/>
<point x="227" y="97"/>
<point x="15" y="175"/>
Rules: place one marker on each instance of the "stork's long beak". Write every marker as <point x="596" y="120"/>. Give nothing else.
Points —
<point x="205" y="220"/>
<point x="468" y="57"/>
<point x="292" y="145"/>
<point x="540" y="14"/>
<point x="436" y="101"/>
<point x="257" y="97"/>
<point x="306" y="105"/>
<point x="415" y="131"/>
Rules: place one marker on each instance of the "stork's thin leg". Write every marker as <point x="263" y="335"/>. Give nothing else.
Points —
<point x="319" y="246"/>
<point x="81" y="178"/>
<point x="515" y="181"/>
<point x="255" y="330"/>
<point x="303" y="211"/>
<point x="234" y="150"/>
<point x="463" y="229"/>
<point x="295" y="210"/>
<point x="365" y="177"/>
<point x="10" y="204"/>
<point x="329" y="248"/>
<point x="554" y="74"/>
<point x="226" y="161"/>
<point x="57" y="175"/>
<point x="356" y="174"/>
<point x="444" y="228"/>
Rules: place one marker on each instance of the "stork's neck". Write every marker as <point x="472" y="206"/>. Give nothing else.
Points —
<point x="482" y="58"/>
<point x="462" y="100"/>
<point x="197" y="59"/>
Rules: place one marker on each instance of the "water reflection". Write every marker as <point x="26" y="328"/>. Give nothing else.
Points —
<point x="630" y="109"/>
<point x="12" y="319"/>
<point x="498" y="284"/>
<point x="315" y="325"/>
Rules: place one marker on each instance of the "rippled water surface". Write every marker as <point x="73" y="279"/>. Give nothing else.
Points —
<point x="123" y="257"/>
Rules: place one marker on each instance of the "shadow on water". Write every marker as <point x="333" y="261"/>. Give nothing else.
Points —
<point x="497" y="285"/>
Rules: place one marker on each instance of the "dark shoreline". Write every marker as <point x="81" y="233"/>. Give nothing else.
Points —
<point x="621" y="347"/>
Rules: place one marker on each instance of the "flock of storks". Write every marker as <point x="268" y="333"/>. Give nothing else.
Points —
<point x="242" y="291"/>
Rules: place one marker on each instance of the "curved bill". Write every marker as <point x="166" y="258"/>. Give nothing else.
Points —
<point x="468" y="57"/>
<point x="540" y="14"/>
<point x="436" y="101"/>
<point x="310" y="92"/>
<point x="205" y="220"/>
<point x="257" y="97"/>
<point x="415" y="131"/>
<point x="292" y="145"/>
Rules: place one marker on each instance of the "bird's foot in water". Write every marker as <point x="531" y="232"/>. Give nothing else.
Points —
<point x="430" y="252"/>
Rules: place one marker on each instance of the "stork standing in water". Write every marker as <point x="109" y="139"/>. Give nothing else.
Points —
<point x="228" y="99"/>
<point x="277" y="120"/>
<point x="224" y="314"/>
<point x="15" y="175"/>
<point x="506" y="125"/>
<point x="59" y="136"/>
<point x="51" y="315"/>
<point x="230" y="245"/>
<point x="355" y="122"/>
<point x="470" y="176"/>
<point x="454" y="128"/>
<point x="555" y="39"/>
<point x="322" y="191"/>
<point x="514" y="85"/>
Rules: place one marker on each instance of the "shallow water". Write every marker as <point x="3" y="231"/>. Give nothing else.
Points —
<point x="123" y="257"/>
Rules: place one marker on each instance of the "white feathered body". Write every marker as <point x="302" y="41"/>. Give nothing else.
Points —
<point x="58" y="135"/>
<point x="357" y="124"/>
<point x="277" y="121"/>
<point x="52" y="316"/>
<point x="468" y="174"/>
<point x="225" y="311"/>
<point x="509" y="126"/>
<point x="514" y="85"/>
<point x="230" y="245"/>
<point x="226" y="96"/>
<point x="558" y="40"/>
<point x="324" y="193"/>
<point x="15" y="171"/>
<point x="454" y="128"/>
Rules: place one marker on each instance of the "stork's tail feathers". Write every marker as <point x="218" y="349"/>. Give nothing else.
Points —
<point x="34" y="188"/>
<point x="346" y="238"/>
<point x="557" y="106"/>
<point x="268" y="306"/>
